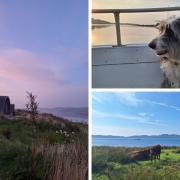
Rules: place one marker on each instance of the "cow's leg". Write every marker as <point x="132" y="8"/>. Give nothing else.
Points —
<point x="151" y="157"/>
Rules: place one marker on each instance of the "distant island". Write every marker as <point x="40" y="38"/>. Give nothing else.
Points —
<point x="103" y="22"/>
<point x="99" y="21"/>
<point x="75" y="114"/>
<point x="139" y="136"/>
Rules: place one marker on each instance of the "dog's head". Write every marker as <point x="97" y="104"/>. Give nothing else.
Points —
<point x="167" y="44"/>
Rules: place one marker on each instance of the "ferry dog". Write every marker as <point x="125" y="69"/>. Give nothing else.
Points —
<point x="167" y="47"/>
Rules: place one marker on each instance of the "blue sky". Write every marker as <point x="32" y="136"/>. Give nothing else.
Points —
<point x="129" y="113"/>
<point x="43" y="49"/>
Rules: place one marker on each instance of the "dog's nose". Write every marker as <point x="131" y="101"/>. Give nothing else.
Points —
<point x="152" y="45"/>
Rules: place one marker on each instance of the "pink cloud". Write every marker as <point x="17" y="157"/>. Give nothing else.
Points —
<point x="21" y="65"/>
<point x="22" y="71"/>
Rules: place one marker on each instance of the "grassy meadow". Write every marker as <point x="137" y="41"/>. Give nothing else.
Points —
<point x="114" y="163"/>
<point x="56" y="149"/>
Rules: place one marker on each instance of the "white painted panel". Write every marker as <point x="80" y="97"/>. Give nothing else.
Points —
<point x="121" y="74"/>
<point x="126" y="54"/>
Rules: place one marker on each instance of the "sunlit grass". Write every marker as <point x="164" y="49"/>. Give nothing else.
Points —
<point x="105" y="167"/>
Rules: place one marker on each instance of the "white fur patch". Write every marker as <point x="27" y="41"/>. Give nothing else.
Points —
<point x="172" y="72"/>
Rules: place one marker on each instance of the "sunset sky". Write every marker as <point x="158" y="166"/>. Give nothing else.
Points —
<point x="135" y="17"/>
<point x="130" y="34"/>
<point x="131" y="113"/>
<point x="43" y="49"/>
<point x="111" y="4"/>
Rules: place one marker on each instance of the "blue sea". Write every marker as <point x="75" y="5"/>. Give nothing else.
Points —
<point x="135" y="142"/>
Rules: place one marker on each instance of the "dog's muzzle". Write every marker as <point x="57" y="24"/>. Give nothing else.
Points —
<point x="158" y="51"/>
<point x="161" y="52"/>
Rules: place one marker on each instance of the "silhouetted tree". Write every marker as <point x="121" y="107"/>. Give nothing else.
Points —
<point x="32" y="107"/>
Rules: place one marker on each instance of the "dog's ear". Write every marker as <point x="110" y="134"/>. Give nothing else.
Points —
<point x="161" y="26"/>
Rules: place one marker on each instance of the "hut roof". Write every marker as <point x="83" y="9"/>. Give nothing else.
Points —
<point x="3" y="100"/>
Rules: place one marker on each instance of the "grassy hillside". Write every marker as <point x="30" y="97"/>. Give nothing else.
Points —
<point x="115" y="164"/>
<point x="56" y="149"/>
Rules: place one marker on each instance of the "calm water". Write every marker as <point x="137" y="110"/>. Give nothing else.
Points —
<point x="106" y="35"/>
<point x="135" y="142"/>
<point x="129" y="35"/>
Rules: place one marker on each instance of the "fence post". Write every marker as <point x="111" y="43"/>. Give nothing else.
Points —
<point x="118" y="31"/>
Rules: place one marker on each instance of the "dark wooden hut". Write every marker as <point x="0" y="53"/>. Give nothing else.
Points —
<point x="6" y="108"/>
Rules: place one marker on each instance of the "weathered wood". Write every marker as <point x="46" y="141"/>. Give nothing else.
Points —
<point x="125" y="67"/>
<point x="118" y="31"/>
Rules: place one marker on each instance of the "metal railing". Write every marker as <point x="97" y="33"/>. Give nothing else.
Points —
<point x="117" y="13"/>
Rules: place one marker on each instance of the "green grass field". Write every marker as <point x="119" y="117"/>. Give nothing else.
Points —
<point x="114" y="163"/>
<point x="53" y="150"/>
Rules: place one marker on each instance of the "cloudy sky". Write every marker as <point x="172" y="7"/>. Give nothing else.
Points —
<point x="135" y="17"/>
<point x="133" y="3"/>
<point x="135" y="113"/>
<point x="43" y="49"/>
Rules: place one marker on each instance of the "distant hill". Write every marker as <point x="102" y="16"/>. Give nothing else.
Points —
<point x="50" y="118"/>
<point x="103" y="22"/>
<point x="99" y="21"/>
<point x="140" y="136"/>
<point x="74" y="114"/>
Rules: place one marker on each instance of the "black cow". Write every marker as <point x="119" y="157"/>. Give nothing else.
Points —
<point x="155" y="152"/>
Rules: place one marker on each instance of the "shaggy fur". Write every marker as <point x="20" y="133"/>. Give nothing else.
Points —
<point x="167" y="47"/>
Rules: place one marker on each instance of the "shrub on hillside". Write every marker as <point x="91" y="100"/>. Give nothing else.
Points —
<point x="99" y="163"/>
<point x="177" y="151"/>
<point x="7" y="133"/>
<point x="122" y="158"/>
<point x="17" y="162"/>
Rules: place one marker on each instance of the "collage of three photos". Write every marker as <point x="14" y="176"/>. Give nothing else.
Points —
<point x="90" y="90"/>
<point x="135" y="90"/>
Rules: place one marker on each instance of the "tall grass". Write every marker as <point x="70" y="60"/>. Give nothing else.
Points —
<point x="113" y="163"/>
<point x="43" y="161"/>
<point x="64" y="161"/>
<point x="56" y="152"/>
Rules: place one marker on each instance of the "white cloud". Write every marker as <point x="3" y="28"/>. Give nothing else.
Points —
<point x="123" y="131"/>
<point x="129" y="98"/>
<point x="163" y="105"/>
<point x="96" y="98"/>
<point x="112" y="130"/>
<point x="142" y="114"/>
<point x="140" y="119"/>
